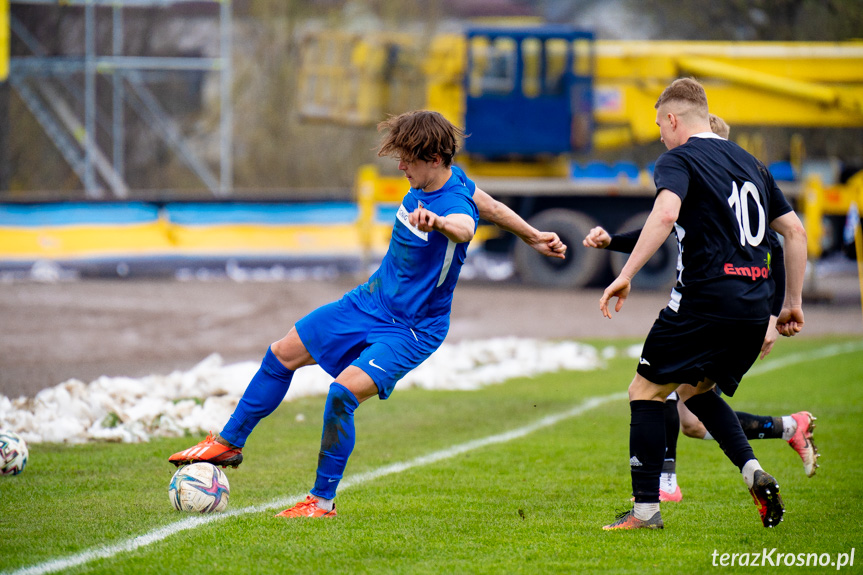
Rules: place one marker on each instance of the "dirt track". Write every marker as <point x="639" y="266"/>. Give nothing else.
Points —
<point x="84" y="329"/>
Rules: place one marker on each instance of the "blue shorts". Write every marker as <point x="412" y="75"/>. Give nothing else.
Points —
<point x="342" y="333"/>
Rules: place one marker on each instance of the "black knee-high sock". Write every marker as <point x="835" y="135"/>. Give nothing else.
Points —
<point x="646" y="448"/>
<point x="760" y="426"/>
<point x="672" y="431"/>
<point x="722" y="423"/>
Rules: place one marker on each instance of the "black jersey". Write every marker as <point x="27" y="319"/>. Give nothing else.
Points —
<point x="728" y="200"/>
<point x="625" y="242"/>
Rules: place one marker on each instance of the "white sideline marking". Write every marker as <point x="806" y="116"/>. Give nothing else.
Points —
<point x="829" y="351"/>
<point x="157" y="535"/>
<point x="107" y="551"/>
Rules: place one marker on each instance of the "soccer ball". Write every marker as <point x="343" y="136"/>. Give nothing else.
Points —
<point x="199" y="488"/>
<point x="13" y="453"/>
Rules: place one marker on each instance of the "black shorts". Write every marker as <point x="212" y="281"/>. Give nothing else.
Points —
<point x="685" y="349"/>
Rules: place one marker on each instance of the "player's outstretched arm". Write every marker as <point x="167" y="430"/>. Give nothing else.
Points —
<point x="790" y="320"/>
<point x="457" y="227"/>
<point x="656" y="230"/>
<point x="623" y="242"/>
<point x="498" y="213"/>
<point x="597" y="238"/>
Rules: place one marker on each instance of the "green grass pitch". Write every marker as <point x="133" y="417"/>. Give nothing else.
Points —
<point x="533" y="502"/>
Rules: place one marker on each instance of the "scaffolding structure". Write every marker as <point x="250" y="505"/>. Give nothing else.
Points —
<point x="32" y="78"/>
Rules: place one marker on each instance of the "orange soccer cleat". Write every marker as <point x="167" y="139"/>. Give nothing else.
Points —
<point x="628" y="520"/>
<point x="307" y="508"/>
<point x="209" y="451"/>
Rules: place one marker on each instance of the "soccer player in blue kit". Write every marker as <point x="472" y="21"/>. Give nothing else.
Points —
<point x="719" y="200"/>
<point x="378" y="332"/>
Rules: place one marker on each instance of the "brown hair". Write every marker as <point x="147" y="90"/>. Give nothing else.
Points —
<point x="685" y="91"/>
<point x="419" y="135"/>
<point x="718" y="126"/>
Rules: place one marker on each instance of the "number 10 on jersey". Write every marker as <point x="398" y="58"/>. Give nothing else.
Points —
<point x="739" y="202"/>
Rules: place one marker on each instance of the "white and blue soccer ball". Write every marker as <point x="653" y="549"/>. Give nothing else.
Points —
<point x="13" y="453"/>
<point x="199" y="488"/>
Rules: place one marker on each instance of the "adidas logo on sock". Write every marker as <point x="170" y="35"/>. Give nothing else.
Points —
<point x="634" y="462"/>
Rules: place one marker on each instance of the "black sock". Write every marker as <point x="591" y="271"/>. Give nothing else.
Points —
<point x="760" y="426"/>
<point x="672" y="431"/>
<point x="722" y="423"/>
<point x="646" y="448"/>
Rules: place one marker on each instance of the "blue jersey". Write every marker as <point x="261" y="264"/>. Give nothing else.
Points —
<point x="415" y="282"/>
<point x="728" y="200"/>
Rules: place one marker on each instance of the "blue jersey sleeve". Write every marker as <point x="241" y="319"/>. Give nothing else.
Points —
<point x="458" y="201"/>
<point x="465" y="181"/>
<point x="458" y="204"/>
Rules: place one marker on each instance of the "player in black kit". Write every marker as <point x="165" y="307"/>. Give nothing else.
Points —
<point x="796" y="429"/>
<point x="719" y="200"/>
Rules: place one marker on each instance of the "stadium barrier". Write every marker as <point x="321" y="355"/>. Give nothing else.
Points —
<point x="73" y="231"/>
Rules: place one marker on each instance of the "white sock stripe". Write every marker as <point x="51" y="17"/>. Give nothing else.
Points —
<point x="107" y="551"/>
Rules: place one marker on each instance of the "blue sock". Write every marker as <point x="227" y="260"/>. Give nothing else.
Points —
<point x="337" y="440"/>
<point x="263" y="395"/>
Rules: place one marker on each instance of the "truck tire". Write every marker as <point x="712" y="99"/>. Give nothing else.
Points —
<point x="660" y="271"/>
<point x="581" y="266"/>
